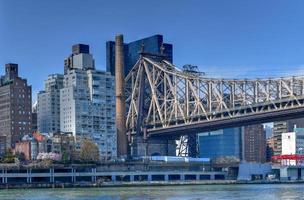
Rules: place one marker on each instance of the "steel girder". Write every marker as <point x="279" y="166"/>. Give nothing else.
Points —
<point x="159" y="95"/>
<point x="182" y="146"/>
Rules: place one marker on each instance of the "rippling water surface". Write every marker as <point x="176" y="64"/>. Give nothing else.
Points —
<point x="208" y="192"/>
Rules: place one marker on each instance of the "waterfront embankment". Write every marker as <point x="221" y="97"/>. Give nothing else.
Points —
<point x="141" y="184"/>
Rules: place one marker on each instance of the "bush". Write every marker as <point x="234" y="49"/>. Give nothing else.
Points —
<point x="49" y="156"/>
<point x="8" y="157"/>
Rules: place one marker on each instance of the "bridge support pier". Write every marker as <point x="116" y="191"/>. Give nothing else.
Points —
<point x="93" y="177"/>
<point x="166" y="177"/>
<point x="149" y="177"/>
<point x="113" y="178"/>
<point x="132" y="178"/>
<point x="192" y="145"/>
<point x="73" y="175"/>
<point x="29" y="176"/>
<point x="4" y="178"/>
<point x="153" y="147"/>
<point x="52" y="178"/>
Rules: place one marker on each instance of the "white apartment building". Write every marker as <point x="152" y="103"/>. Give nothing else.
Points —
<point x="48" y="105"/>
<point x="293" y="143"/>
<point x="87" y="102"/>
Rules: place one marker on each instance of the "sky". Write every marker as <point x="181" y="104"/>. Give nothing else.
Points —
<point x="226" y="39"/>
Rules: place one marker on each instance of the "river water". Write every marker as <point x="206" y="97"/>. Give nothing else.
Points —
<point x="197" y="192"/>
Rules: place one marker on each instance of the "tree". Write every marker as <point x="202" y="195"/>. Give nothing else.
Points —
<point x="8" y="156"/>
<point x="89" y="152"/>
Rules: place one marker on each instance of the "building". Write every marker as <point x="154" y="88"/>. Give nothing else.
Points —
<point x="293" y="143"/>
<point x="24" y="147"/>
<point x="79" y="59"/>
<point x="278" y="129"/>
<point x="48" y="105"/>
<point x="28" y="146"/>
<point x="2" y="145"/>
<point x="244" y="143"/>
<point x="253" y="171"/>
<point x="34" y="118"/>
<point x="87" y="102"/>
<point x="283" y="127"/>
<point x="63" y="144"/>
<point x="254" y="143"/>
<point x="268" y="131"/>
<point x="44" y="142"/>
<point x="224" y="142"/>
<point x="15" y="106"/>
<point x="153" y="44"/>
<point x="269" y="149"/>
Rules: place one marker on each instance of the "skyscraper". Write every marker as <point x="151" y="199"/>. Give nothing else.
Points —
<point x="254" y="147"/>
<point x="153" y="44"/>
<point x="15" y="106"/>
<point x="34" y="117"/>
<point x="48" y="105"/>
<point x="87" y="102"/>
<point x="278" y="129"/>
<point x="224" y="142"/>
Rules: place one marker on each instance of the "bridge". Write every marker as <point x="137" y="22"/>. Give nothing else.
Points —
<point x="164" y="101"/>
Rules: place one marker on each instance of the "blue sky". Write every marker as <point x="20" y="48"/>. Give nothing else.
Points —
<point x="235" y="38"/>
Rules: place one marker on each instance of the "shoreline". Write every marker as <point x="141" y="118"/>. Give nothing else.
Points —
<point x="141" y="184"/>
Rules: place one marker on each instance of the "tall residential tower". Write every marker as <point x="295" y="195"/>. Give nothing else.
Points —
<point x="87" y="102"/>
<point x="254" y="143"/>
<point x="48" y="105"/>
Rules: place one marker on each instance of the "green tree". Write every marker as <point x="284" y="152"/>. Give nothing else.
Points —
<point x="89" y="152"/>
<point x="8" y="156"/>
<point x="65" y="158"/>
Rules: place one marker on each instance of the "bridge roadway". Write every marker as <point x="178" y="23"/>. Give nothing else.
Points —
<point x="234" y="121"/>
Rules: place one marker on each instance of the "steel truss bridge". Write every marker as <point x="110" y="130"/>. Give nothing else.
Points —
<point x="164" y="100"/>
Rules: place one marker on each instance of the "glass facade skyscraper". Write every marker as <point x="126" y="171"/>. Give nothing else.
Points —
<point x="224" y="142"/>
<point x="151" y="44"/>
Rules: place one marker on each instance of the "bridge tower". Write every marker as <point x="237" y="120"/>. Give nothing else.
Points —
<point x="140" y="144"/>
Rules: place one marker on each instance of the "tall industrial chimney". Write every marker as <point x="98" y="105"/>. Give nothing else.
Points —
<point x="122" y="149"/>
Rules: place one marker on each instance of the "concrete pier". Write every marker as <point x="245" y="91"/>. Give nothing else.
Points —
<point x="92" y="175"/>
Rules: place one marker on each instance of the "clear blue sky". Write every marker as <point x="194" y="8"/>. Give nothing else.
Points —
<point x="235" y="38"/>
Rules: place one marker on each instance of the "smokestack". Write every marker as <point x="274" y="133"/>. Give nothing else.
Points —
<point x="120" y="97"/>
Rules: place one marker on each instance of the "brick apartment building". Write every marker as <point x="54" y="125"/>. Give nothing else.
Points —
<point x="15" y="106"/>
<point x="254" y="144"/>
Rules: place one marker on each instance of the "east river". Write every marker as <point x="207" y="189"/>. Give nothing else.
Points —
<point x="197" y="192"/>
